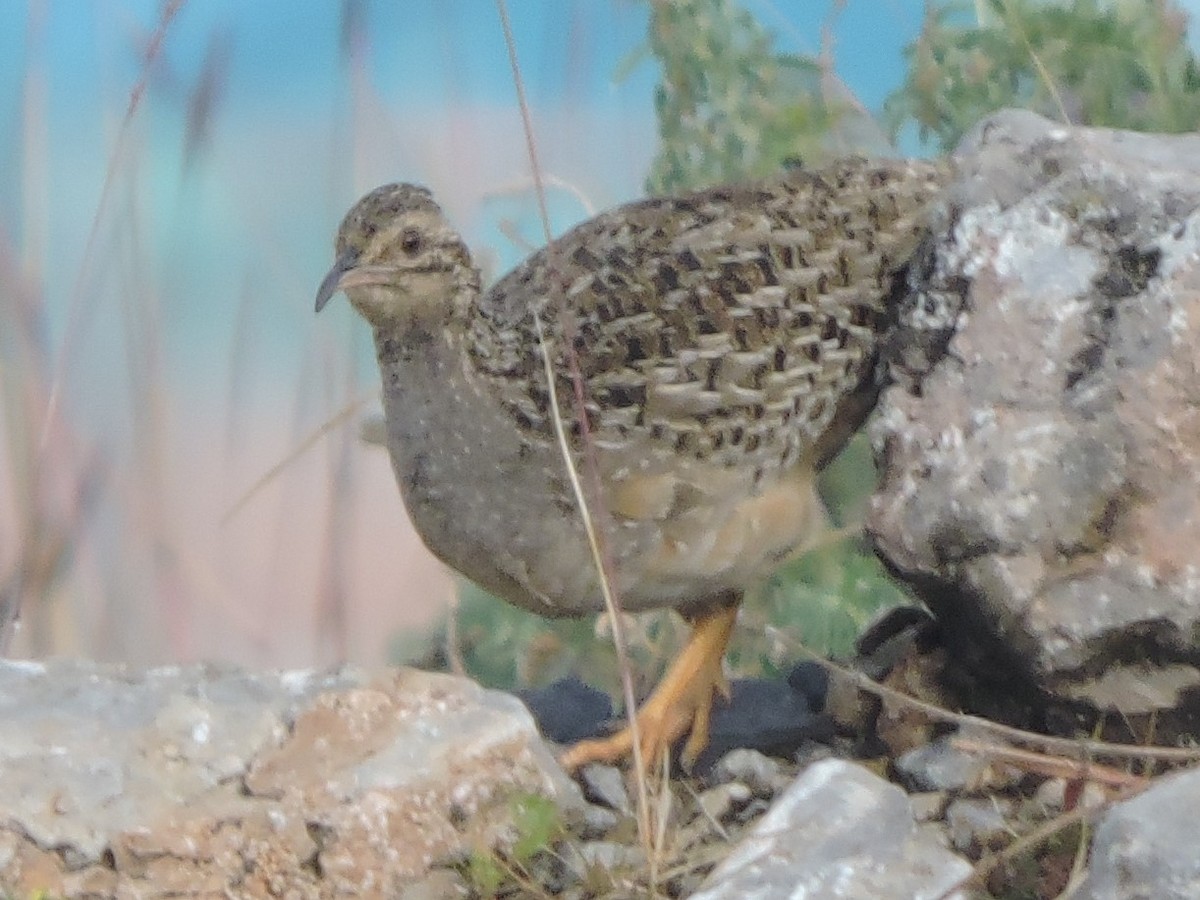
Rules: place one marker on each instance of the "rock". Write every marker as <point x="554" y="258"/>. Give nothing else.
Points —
<point x="568" y="710"/>
<point x="977" y="826"/>
<point x="1039" y="446"/>
<point x="761" y="774"/>
<point x="597" y="821"/>
<point x="1146" y="847"/>
<point x="720" y="802"/>
<point x="837" y="830"/>
<point x="941" y="766"/>
<point x="195" y="780"/>
<point x="606" y="785"/>
<point x="928" y="806"/>
<point x="607" y="856"/>
<point x="1051" y="795"/>
<point x="440" y="884"/>
<point x="769" y="715"/>
<point x="937" y="766"/>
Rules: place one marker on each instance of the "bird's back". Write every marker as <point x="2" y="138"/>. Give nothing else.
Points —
<point x="729" y="325"/>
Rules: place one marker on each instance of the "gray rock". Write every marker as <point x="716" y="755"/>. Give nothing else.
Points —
<point x="440" y="884"/>
<point x="597" y="821"/>
<point x="837" y="831"/>
<point x="940" y="766"/>
<point x="607" y="856"/>
<point x="1051" y="796"/>
<point x="719" y="802"/>
<point x="198" y="780"/>
<point x="979" y="825"/>
<point x="606" y="785"/>
<point x="1145" y="848"/>
<point x="928" y="806"/>
<point x="1038" y="450"/>
<point x="763" y="775"/>
<point x="87" y="752"/>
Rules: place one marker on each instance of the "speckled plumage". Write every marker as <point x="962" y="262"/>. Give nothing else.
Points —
<point x="728" y="345"/>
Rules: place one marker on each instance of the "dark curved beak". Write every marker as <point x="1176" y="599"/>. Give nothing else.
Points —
<point x="332" y="283"/>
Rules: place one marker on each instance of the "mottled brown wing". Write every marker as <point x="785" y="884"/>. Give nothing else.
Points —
<point x="729" y="325"/>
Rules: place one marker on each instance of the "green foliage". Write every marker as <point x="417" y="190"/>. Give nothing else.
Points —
<point x="824" y="598"/>
<point x="1116" y="63"/>
<point x="537" y="825"/>
<point x="728" y="105"/>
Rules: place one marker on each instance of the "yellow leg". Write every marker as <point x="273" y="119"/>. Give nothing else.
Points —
<point x="682" y="702"/>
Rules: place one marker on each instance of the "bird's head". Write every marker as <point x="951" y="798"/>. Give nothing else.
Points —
<point x="398" y="259"/>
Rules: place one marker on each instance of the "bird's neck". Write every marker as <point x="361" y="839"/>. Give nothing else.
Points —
<point x="421" y="356"/>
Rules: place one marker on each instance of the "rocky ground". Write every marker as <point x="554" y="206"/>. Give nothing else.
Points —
<point x="202" y="782"/>
<point x="1039" y="451"/>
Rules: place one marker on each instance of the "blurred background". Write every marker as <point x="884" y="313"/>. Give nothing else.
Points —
<point x="182" y="474"/>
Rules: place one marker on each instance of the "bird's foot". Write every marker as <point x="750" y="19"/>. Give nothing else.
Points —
<point x="681" y="703"/>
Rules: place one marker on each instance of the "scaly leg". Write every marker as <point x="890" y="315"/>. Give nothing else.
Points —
<point x="681" y="703"/>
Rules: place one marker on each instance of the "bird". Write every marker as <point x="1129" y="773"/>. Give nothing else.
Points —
<point x="711" y="352"/>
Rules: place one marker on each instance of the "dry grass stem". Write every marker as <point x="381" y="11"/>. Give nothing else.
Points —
<point x="1074" y="748"/>
<point x="167" y="14"/>
<point x="299" y="450"/>
<point x="1044" y="832"/>
<point x="521" y="185"/>
<point x="1052" y="766"/>
<point x="1018" y="29"/>
<point x="595" y="538"/>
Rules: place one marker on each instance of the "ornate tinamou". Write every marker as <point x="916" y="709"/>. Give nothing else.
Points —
<point x="728" y="347"/>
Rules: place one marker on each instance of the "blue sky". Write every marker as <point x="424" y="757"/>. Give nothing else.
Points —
<point x="426" y="47"/>
<point x="294" y="139"/>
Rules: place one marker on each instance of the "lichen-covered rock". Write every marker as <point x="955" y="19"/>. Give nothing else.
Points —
<point x="196" y="781"/>
<point x="1146" y="847"/>
<point x="837" y="831"/>
<point x="1040" y="449"/>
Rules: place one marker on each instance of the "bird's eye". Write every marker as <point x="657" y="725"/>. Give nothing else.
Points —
<point x="410" y="241"/>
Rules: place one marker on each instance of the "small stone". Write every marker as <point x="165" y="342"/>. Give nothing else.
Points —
<point x="814" y="751"/>
<point x="597" y="821"/>
<point x="608" y="856"/>
<point x="719" y="802"/>
<point x="928" y="806"/>
<point x="979" y="825"/>
<point x="1051" y="795"/>
<point x="939" y="766"/>
<point x="440" y="884"/>
<point x="761" y="774"/>
<point x="606" y="785"/>
<point x="755" y="808"/>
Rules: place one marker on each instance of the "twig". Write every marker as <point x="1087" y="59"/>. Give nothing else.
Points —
<point x="985" y="867"/>
<point x="595" y="539"/>
<point x="1079" y="748"/>
<point x="453" y="643"/>
<point x="521" y="185"/>
<point x="1043" y="73"/>
<point x="1051" y="766"/>
<point x="299" y="450"/>
<point x="170" y="9"/>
